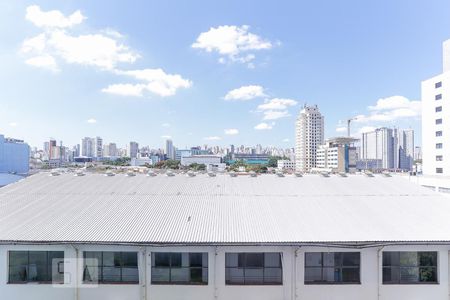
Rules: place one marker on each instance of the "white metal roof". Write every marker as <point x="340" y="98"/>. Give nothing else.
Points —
<point x="222" y="209"/>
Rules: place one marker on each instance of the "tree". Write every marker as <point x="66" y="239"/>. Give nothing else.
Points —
<point x="273" y="161"/>
<point x="197" y="167"/>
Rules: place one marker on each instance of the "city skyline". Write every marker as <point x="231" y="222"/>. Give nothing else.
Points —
<point x="197" y="89"/>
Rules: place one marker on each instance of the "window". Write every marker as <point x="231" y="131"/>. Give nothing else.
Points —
<point x="439" y="146"/>
<point x="438" y="121"/>
<point x="253" y="268"/>
<point x="439" y="133"/>
<point x="439" y="170"/>
<point x="438" y="97"/>
<point x="438" y="108"/>
<point x="438" y="84"/>
<point x="36" y="266"/>
<point x="110" y="267"/>
<point x="332" y="267"/>
<point x="179" y="268"/>
<point x="409" y="267"/>
<point x="439" y="158"/>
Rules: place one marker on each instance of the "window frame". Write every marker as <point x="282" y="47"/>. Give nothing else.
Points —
<point x="438" y="85"/>
<point x="438" y="109"/>
<point x="438" y="97"/>
<point x="340" y="267"/>
<point x="49" y="265"/>
<point x="245" y="267"/>
<point x="419" y="266"/>
<point x="190" y="268"/>
<point x="101" y="267"/>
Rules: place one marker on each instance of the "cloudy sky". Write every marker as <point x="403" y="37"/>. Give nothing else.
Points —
<point x="213" y="72"/>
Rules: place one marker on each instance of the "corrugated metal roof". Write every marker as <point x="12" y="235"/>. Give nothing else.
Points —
<point x="221" y="209"/>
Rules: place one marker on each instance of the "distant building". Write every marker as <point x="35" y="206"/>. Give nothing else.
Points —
<point x="378" y="145"/>
<point x="14" y="156"/>
<point x="110" y="150"/>
<point x="405" y="149"/>
<point x="141" y="161"/>
<point x="284" y="164"/>
<point x="251" y="159"/>
<point x="179" y="153"/>
<point x="133" y="150"/>
<point x="337" y="155"/>
<point x="170" y="151"/>
<point x="436" y="120"/>
<point x="87" y="148"/>
<point x="200" y="159"/>
<point x="309" y="134"/>
<point x="98" y="151"/>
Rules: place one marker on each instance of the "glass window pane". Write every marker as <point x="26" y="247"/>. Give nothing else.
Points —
<point x="130" y="274"/>
<point x="409" y="274"/>
<point x="329" y="259"/>
<point x="234" y="275"/>
<point x="351" y="259"/>
<point x="196" y="259"/>
<point x="179" y="274"/>
<point x="231" y="259"/>
<point x="175" y="259"/>
<point x="272" y="260"/>
<point x="91" y="273"/>
<point x="409" y="259"/>
<point x="108" y="259"/>
<point x="93" y="258"/>
<point x="129" y="259"/>
<point x="427" y="274"/>
<point x="313" y="259"/>
<point x="331" y="274"/>
<point x="254" y="260"/>
<point x="313" y="274"/>
<point x="350" y="274"/>
<point x="18" y="258"/>
<point x="205" y="259"/>
<point x="196" y="275"/>
<point x="111" y="274"/>
<point x="56" y="261"/>
<point x="391" y="259"/>
<point x="254" y="275"/>
<point x="38" y="266"/>
<point x="162" y="259"/>
<point x="18" y="273"/>
<point x="428" y="259"/>
<point x="160" y="275"/>
<point x="391" y="275"/>
<point x="273" y="275"/>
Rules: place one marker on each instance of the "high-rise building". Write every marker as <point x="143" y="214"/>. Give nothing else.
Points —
<point x="87" y="147"/>
<point x="133" y="150"/>
<point x="379" y="145"/>
<point x="110" y="150"/>
<point x="170" y="151"/>
<point x="14" y="156"/>
<point x="337" y="155"/>
<point x="405" y="149"/>
<point x="436" y="120"/>
<point x="98" y="151"/>
<point x="309" y="135"/>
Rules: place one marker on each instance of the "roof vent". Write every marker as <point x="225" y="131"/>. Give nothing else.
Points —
<point x="385" y="174"/>
<point x="109" y="174"/>
<point x="279" y="174"/>
<point x="151" y="174"/>
<point x="369" y="174"/>
<point x="79" y="174"/>
<point x="298" y="174"/>
<point x="54" y="173"/>
<point x="324" y="174"/>
<point x="211" y="174"/>
<point x="233" y="174"/>
<point x="342" y="174"/>
<point x="130" y="174"/>
<point x="191" y="174"/>
<point x="170" y="174"/>
<point x="253" y="174"/>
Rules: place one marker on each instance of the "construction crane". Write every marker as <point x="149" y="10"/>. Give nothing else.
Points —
<point x="348" y="125"/>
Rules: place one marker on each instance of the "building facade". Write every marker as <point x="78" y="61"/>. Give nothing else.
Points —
<point x="170" y="150"/>
<point x="309" y="134"/>
<point x="87" y="148"/>
<point x="337" y="155"/>
<point x="200" y="159"/>
<point x="436" y="120"/>
<point x="133" y="150"/>
<point x="14" y="156"/>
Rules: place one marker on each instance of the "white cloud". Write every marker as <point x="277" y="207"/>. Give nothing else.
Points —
<point x="277" y="104"/>
<point x="231" y="131"/>
<point x="13" y="124"/>
<point x="156" y="81"/>
<point x="166" y="136"/>
<point x="264" y="126"/>
<point x="165" y="125"/>
<point x="365" y="129"/>
<point x="52" y="18"/>
<point x="212" y="138"/>
<point x="232" y="43"/>
<point x="43" y="61"/>
<point x="341" y="129"/>
<point x="286" y="140"/>
<point x="91" y="121"/>
<point x="247" y="92"/>
<point x="391" y="109"/>
<point x="275" y="114"/>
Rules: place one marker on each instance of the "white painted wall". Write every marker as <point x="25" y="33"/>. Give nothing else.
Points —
<point x="292" y="288"/>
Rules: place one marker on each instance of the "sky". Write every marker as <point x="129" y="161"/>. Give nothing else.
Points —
<point x="213" y="72"/>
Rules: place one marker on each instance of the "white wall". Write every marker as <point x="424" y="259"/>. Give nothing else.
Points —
<point x="292" y="288"/>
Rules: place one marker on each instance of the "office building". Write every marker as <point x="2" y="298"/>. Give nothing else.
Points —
<point x="110" y="150"/>
<point x="337" y="155"/>
<point x="170" y="150"/>
<point x="436" y="120"/>
<point x="132" y="150"/>
<point x="98" y="151"/>
<point x="14" y="156"/>
<point x="285" y="165"/>
<point x="87" y="148"/>
<point x="309" y="134"/>
<point x="405" y="149"/>
<point x="200" y="159"/>
<point x="379" y="145"/>
<point x="221" y="237"/>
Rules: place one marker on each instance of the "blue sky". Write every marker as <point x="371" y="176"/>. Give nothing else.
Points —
<point x="213" y="72"/>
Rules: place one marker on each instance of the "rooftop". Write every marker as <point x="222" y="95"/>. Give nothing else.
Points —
<point x="222" y="209"/>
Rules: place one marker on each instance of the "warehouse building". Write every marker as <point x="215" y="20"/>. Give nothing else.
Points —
<point x="269" y="237"/>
